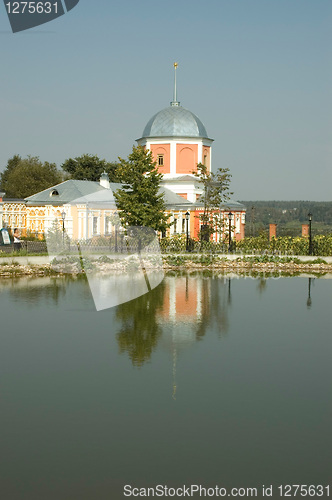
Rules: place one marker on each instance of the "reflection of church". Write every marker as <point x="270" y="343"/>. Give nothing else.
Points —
<point x="175" y="315"/>
<point x="183" y="299"/>
<point x="178" y="141"/>
<point x="192" y="304"/>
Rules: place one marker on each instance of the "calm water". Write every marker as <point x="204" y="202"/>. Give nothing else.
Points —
<point x="204" y="380"/>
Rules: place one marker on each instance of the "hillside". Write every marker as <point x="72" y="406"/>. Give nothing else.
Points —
<point x="289" y="215"/>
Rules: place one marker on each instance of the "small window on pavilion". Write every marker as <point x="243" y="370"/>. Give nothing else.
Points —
<point x="160" y="160"/>
<point x="205" y="160"/>
<point x="95" y="225"/>
<point x="108" y="224"/>
<point x="54" y="192"/>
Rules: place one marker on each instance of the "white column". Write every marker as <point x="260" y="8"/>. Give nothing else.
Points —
<point x="179" y="223"/>
<point x="200" y="152"/>
<point x="99" y="222"/>
<point x="79" y="222"/>
<point x="211" y="159"/>
<point x="237" y="223"/>
<point x="86" y="229"/>
<point x="173" y="158"/>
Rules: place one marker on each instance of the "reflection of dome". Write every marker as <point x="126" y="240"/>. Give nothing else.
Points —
<point x="174" y="121"/>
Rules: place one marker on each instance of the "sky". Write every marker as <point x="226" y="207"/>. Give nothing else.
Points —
<point x="256" y="72"/>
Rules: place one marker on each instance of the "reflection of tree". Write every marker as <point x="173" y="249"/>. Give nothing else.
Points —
<point x="262" y="282"/>
<point x="38" y="289"/>
<point x="140" y="331"/>
<point x="206" y="314"/>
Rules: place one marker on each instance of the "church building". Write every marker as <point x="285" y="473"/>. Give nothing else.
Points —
<point x="178" y="141"/>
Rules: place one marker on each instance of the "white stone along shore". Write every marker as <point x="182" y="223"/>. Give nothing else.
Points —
<point x="41" y="265"/>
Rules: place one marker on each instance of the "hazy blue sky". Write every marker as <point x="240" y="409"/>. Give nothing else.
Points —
<point x="256" y="72"/>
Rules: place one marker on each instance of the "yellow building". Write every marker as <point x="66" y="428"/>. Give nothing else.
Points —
<point x="87" y="209"/>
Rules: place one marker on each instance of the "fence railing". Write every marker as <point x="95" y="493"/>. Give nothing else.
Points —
<point x="321" y="246"/>
<point x="24" y="246"/>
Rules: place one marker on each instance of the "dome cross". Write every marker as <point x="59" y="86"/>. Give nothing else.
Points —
<point x="175" y="101"/>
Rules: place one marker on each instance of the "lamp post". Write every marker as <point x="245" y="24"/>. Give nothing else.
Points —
<point x="230" y="231"/>
<point x="63" y="216"/>
<point x="187" y="222"/>
<point x="310" y="237"/>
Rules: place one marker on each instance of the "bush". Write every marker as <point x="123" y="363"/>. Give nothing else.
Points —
<point x="287" y="245"/>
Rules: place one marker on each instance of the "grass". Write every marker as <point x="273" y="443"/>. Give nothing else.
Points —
<point x="21" y="253"/>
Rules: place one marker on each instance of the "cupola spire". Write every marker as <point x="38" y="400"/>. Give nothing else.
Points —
<point x="175" y="101"/>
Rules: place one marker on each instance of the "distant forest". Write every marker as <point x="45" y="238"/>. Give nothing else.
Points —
<point x="289" y="215"/>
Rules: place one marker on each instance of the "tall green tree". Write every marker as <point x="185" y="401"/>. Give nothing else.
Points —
<point x="26" y="176"/>
<point x="11" y="165"/>
<point x="139" y="201"/>
<point x="216" y="193"/>
<point x="88" y="167"/>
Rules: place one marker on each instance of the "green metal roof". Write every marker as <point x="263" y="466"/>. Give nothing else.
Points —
<point x="173" y="200"/>
<point x="68" y="191"/>
<point x="91" y="192"/>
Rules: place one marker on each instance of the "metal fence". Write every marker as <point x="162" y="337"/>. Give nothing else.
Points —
<point x="24" y="246"/>
<point x="126" y="245"/>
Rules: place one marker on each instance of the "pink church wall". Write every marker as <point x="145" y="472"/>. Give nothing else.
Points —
<point x="162" y="149"/>
<point x="186" y="158"/>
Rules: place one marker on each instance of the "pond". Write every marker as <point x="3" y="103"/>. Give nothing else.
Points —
<point x="206" y="380"/>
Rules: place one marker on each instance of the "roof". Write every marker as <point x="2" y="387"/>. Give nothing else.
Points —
<point x="227" y="206"/>
<point x="100" y="199"/>
<point x="93" y="194"/>
<point x="182" y="178"/>
<point x="105" y="198"/>
<point x="174" y="121"/>
<point x="68" y="191"/>
<point x="173" y="200"/>
<point x="233" y="205"/>
<point x="13" y="200"/>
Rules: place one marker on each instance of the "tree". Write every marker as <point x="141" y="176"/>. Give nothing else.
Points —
<point x="139" y="200"/>
<point x="88" y="167"/>
<point x="26" y="176"/>
<point x="216" y="192"/>
<point x="11" y="165"/>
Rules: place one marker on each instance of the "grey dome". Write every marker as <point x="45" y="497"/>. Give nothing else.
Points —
<point x="174" y="121"/>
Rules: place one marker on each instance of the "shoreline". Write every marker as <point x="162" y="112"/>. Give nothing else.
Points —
<point x="247" y="265"/>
